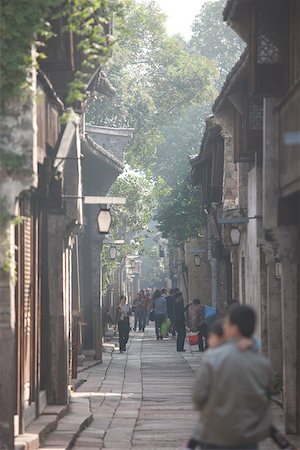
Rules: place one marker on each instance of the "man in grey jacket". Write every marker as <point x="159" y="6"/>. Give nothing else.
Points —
<point x="233" y="390"/>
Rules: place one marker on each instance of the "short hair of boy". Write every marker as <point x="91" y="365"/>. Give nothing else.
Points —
<point x="244" y="317"/>
<point x="217" y="328"/>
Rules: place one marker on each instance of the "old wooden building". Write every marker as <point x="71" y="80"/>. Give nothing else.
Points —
<point x="39" y="251"/>
<point x="271" y="31"/>
<point x="256" y="216"/>
<point x="103" y="150"/>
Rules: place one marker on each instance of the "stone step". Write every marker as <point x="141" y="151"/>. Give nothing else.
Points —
<point x="70" y="426"/>
<point x="38" y="430"/>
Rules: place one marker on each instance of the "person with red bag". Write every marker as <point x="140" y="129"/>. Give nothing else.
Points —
<point x="199" y="324"/>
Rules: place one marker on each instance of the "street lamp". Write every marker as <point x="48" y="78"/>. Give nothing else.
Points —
<point x="113" y="253"/>
<point x="104" y="220"/>
<point x="197" y="260"/>
<point x="235" y="236"/>
<point x="174" y="270"/>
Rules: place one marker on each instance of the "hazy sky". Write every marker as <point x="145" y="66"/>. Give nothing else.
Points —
<point x="181" y="14"/>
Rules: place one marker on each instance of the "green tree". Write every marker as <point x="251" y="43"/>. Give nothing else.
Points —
<point x="25" y="26"/>
<point x="131" y="221"/>
<point x="179" y="213"/>
<point x="156" y="77"/>
<point x="212" y="38"/>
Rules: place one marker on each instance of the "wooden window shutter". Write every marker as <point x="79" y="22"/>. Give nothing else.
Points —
<point x="238" y="135"/>
<point x="248" y="130"/>
<point x="217" y="169"/>
<point x="268" y="50"/>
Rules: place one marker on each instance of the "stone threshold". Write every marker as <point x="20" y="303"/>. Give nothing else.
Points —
<point x="60" y="426"/>
<point x="70" y="426"/>
<point x="37" y="431"/>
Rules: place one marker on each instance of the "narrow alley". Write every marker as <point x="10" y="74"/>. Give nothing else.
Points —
<point x="149" y="168"/>
<point x="140" y="399"/>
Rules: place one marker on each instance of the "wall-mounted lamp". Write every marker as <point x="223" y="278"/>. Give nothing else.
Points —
<point x="197" y="260"/>
<point x="174" y="270"/>
<point x="235" y="236"/>
<point x="113" y="253"/>
<point x="104" y="220"/>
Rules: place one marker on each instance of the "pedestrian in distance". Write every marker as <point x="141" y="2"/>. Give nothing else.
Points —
<point x="198" y="323"/>
<point x="122" y="319"/>
<point x="145" y="306"/>
<point x="139" y="311"/>
<point x="170" y="310"/>
<point x="233" y="389"/>
<point x="159" y="305"/>
<point x="179" y="320"/>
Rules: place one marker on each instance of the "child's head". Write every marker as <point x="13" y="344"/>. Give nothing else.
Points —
<point x="216" y="335"/>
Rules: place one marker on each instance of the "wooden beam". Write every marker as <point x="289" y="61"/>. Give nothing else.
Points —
<point x="94" y="200"/>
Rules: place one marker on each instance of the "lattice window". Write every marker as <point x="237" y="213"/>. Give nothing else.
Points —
<point x="269" y="34"/>
<point x="255" y="115"/>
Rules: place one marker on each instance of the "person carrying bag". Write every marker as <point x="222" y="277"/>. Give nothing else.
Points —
<point x="122" y="319"/>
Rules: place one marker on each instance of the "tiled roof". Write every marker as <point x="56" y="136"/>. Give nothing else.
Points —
<point x="233" y="77"/>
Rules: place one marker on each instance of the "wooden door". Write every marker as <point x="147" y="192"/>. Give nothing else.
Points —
<point x="27" y="310"/>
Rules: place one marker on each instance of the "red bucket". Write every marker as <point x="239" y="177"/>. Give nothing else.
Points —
<point x="193" y="339"/>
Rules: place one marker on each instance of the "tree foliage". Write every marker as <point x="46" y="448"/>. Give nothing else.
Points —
<point x="26" y="24"/>
<point x="155" y="77"/>
<point x="179" y="213"/>
<point x="165" y="87"/>
<point x="212" y="38"/>
<point x="217" y="42"/>
<point x="131" y="221"/>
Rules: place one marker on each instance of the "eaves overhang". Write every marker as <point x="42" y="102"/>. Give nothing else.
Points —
<point x="212" y="130"/>
<point x="237" y="15"/>
<point x="102" y="155"/>
<point x="236" y="80"/>
<point x="49" y="89"/>
<point x="100" y="84"/>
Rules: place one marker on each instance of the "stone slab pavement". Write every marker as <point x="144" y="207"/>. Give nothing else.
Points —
<point x="141" y="399"/>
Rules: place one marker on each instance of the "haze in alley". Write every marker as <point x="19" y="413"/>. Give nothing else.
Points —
<point x="149" y="224"/>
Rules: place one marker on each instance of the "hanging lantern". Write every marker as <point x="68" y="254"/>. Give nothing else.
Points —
<point x="235" y="236"/>
<point x="197" y="260"/>
<point x="113" y="253"/>
<point x="104" y="221"/>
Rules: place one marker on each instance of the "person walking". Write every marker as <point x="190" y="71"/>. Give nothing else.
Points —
<point x="170" y="310"/>
<point x="199" y="324"/>
<point x="139" y="311"/>
<point x="123" y="313"/>
<point x="159" y="305"/>
<point x="233" y="390"/>
<point x="145" y="307"/>
<point x="179" y="321"/>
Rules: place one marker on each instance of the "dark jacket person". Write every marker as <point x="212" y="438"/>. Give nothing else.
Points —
<point x="122" y="319"/>
<point x="233" y="390"/>
<point x="179" y="321"/>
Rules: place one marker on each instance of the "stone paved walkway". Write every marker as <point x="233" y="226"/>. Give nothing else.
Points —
<point x="141" y="399"/>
